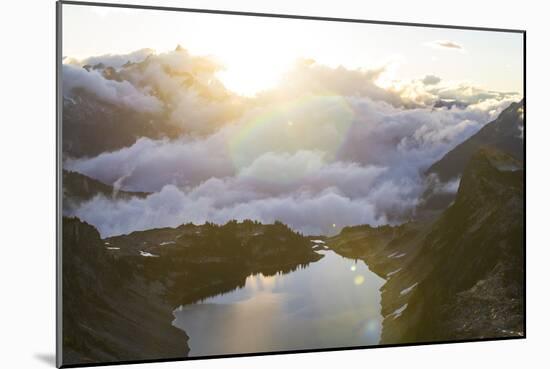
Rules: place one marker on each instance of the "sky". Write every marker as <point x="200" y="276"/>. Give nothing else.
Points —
<point x="256" y="51"/>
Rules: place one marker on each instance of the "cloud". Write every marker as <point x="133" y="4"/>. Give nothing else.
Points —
<point x="435" y="186"/>
<point x="311" y="202"/>
<point x="445" y="44"/>
<point x="328" y="146"/>
<point x="309" y="78"/>
<point x="369" y="170"/>
<point x="181" y="86"/>
<point x="194" y="99"/>
<point x="408" y="139"/>
<point x="148" y="164"/>
<point x="431" y="80"/>
<point x="113" y="60"/>
<point x="418" y="93"/>
<point x="109" y="91"/>
<point x="185" y="89"/>
<point x="171" y="207"/>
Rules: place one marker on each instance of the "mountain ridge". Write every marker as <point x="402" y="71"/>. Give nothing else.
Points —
<point x="503" y="133"/>
<point x="459" y="276"/>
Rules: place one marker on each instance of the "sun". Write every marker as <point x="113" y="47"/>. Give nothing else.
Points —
<point x="247" y="75"/>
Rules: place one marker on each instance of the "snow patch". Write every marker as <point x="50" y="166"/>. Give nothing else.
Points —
<point x="507" y="167"/>
<point x="167" y="243"/>
<point x="397" y="313"/>
<point x="408" y="289"/>
<point x="393" y="273"/>
<point x="148" y="254"/>
<point x="396" y="255"/>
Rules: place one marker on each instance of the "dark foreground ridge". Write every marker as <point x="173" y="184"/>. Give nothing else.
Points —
<point x="119" y="293"/>
<point x="460" y="276"/>
<point x="110" y="312"/>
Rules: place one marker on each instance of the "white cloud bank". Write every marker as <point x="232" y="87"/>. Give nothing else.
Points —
<point x="344" y="164"/>
<point x="182" y="88"/>
<point x="328" y="147"/>
<point x="109" y="91"/>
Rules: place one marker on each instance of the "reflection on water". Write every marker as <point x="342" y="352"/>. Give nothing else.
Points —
<point x="334" y="302"/>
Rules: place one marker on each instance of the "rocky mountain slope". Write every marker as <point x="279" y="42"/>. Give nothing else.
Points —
<point x="119" y="293"/>
<point x="504" y="133"/>
<point x="460" y="276"/>
<point x="92" y="126"/>
<point x="78" y="188"/>
<point x="110" y="312"/>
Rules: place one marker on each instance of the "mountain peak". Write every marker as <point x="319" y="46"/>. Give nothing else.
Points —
<point x="505" y="133"/>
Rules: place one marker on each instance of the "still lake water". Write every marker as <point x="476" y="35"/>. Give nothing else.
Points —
<point x="334" y="302"/>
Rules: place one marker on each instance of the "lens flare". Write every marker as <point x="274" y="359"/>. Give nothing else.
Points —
<point x="308" y="123"/>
